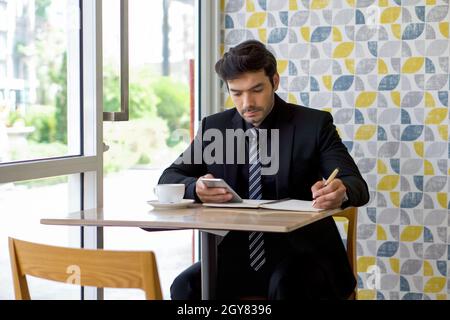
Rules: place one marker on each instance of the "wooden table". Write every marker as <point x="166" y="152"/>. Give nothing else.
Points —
<point x="205" y="219"/>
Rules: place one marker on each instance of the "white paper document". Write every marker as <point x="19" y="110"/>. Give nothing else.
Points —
<point x="246" y="203"/>
<point x="288" y="205"/>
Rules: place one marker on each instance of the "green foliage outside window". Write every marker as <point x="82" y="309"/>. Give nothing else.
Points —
<point x="173" y="105"/>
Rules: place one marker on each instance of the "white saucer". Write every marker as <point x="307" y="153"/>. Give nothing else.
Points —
<point x="161" y="205"/>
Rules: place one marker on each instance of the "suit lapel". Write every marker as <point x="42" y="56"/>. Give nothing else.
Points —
<point x="231" y="170"/>
<point x="287" y="130"/>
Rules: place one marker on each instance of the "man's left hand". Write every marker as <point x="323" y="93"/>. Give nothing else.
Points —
<point x="330" y="196"/>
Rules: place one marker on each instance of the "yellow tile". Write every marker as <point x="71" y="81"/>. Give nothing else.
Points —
<point x="381" y="167"/>
<point x="435" y="285"/>
<point x="262" y="35"/>
<point x="381" y="234"/>
<point x="382" y="67"/>
<point x="366" y="294"/>
<point x="364" y="263"/>
<point x="395" y="198"/>
<point x="395" y="265"/>
<point x="293" y="5"/>
<point x="411" y="233"/>
<point x="443" y="28"/>
<point x="250" y="6"/>
<point x="388" y="183"/>
<point x="256" y="20"/>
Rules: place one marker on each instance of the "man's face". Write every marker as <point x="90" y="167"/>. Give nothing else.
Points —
<point x="253" y="95"/>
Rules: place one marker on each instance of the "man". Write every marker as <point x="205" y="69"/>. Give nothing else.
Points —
<point x="309" y="263"/>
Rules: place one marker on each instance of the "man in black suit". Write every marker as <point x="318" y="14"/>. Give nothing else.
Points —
<point x="309" y="263"/>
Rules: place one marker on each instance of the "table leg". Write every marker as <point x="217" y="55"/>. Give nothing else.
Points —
<point x="209" y="265"/>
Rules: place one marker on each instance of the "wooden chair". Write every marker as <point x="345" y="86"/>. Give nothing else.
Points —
<point x="96" y="268"/>
<point x="351" y="215"/>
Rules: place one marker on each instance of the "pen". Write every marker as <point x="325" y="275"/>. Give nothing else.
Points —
<point x="276" y="201"/>
<point x="330" y="178"/>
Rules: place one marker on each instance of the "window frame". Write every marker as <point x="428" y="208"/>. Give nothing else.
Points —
<point x="85" y="170"/>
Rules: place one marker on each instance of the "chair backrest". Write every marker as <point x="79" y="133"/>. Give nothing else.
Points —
<point x="351" y="215"/>
<point x="95" y="268"/>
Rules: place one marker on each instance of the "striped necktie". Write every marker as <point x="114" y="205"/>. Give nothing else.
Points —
<point x="256" y="239"/>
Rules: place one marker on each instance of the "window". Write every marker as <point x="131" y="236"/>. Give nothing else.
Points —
<point x="162" y="51"/>
<point x="40" y="117"/>
<point x="3" y="47"/>
<point x="52" y="183"/>
<point x="3" y="19"/>
<point x="35" y="163"/>
<point x="20" y="220"/>
<point x="2" y="75"/>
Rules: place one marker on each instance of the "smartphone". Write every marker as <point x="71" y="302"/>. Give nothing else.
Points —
<point x="220" y="183"/>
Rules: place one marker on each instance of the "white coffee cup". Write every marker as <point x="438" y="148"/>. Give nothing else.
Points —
<point x="169" y="193"/>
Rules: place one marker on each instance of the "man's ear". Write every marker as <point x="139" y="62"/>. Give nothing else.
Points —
<point x="276" y="81"/>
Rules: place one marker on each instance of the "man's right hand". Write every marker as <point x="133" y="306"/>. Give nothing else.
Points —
<point x="205" y="194"/>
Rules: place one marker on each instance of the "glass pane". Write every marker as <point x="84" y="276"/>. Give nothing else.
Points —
<point x="22" y="205"/>
<point x="162" y="51"/>
<point x="39" y="79"/>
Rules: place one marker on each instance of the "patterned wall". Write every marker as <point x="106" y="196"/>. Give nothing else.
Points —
<point x="382" y="69"/>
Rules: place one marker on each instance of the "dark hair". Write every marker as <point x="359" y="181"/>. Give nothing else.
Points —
<point x="249" y="56"/>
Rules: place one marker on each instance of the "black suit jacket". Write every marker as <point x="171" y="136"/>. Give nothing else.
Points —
<point x="310" y="149"/>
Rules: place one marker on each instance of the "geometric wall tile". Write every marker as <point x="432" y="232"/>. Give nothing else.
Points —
<point x="384" y="76"/>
